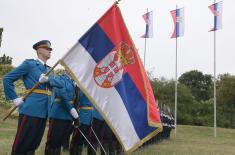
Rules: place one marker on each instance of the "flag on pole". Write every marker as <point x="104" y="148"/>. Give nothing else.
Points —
<point x="216" y="9"/>
<point x="178" y="18"/>
<point x="148" y="18"/>
<point x="106" y="66"/>
<point x="1" y="30"/>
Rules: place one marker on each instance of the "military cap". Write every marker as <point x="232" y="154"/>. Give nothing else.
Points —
<point x="43" y="44"/>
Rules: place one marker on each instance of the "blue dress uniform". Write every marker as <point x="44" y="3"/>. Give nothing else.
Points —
<point x="59" y="113"/>
<point x="85" y="109"/>
<point x="98" y="126"/>
<point x="30" y="70"/>
<point x="62" y="99"/>
<point x="105" y="135"/>
<point x="33" y="112"/>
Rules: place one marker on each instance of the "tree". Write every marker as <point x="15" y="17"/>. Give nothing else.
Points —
<point x="194" y="107"/>
<point x="226" y="97"/>
<point x="5" y="60"/>
<point x="164" y="92"/>
<point x="5" y="64"/>
<point x="200" y="85"/>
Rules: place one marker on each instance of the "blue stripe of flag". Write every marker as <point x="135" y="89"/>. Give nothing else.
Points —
<point x="135" y="105"/>
<point x="96" y="42"/>
<point x="216" y="17"/>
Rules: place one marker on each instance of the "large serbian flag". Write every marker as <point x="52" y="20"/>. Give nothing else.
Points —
<point x="178" y="18"/>
<point x="106" y="66"/>
<point x="216" y="9"/>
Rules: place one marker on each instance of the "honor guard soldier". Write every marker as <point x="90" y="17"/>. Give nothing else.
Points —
<point x="78" y="140"/>
<point x="33" y="110"/>
<point x="105" y="136"/>
<point x="98" y="124"/>
<point x="61" y="114"/>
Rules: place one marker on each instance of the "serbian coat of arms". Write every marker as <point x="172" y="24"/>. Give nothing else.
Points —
<point x="108" y="72"/>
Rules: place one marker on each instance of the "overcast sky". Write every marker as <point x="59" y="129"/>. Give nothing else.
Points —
<point x="63" y="22"/>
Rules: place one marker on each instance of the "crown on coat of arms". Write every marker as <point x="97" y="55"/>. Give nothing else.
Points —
<point x="125" y="54"/>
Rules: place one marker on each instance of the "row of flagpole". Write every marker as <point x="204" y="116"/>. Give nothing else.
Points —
<point x="178" y="17"/>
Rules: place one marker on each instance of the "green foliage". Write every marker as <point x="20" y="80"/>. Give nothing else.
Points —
<point x="202" y="113"/>
<point x="163" y="91"/>
<point x="195" y="100"/>
<point x="200" y="85"/>
<point x="5" y="60"/>
<point x="226" y="97"/>
<point x="5" y="68"/>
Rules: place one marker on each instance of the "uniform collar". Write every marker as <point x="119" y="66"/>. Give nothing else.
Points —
<point x="41" y="61"/>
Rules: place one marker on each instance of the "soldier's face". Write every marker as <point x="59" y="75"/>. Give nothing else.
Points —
<point x="45" y="52"/>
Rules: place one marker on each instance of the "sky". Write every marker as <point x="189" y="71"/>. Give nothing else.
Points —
<point x="63" y="22"/>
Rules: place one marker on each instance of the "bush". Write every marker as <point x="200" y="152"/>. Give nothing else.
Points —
<point x="5" y="68"/>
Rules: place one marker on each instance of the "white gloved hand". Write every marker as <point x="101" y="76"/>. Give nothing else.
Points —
<point x="18" y="101"/>
<point x="43" y="78"/>
<point x="74" y="113"/>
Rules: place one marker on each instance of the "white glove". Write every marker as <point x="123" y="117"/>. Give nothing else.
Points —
<point x="74" y="113"/>
<point x="18" y="101"/>
<point x="43" y="78"/>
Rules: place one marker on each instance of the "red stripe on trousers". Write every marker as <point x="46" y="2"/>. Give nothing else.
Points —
<point x="74" y="137"/>
<point x="19" y="132"/>
<point x="49" y="134"/>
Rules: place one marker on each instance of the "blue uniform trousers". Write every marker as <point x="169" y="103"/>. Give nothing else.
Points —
<point x="57" y="132"/>
<point x="29" y="134"/>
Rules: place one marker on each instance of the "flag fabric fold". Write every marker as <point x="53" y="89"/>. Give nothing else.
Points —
<point x="178" y="18"/>
<point x="216" y="9"/>
<point x="148" y="18"/>
<point x="106" y="66"/>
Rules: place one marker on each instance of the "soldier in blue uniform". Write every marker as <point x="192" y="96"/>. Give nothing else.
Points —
<point x="61" y="113"/>
<point x="78" y="141"/>
<point x="98" y="127"/>
<point x="104" y="134"/>
<point x="33" y="110"/>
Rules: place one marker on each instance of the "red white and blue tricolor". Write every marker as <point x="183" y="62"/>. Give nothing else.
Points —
<point x="178" y="18"/>
<point x="216" y="9"/>
<point x="148" y="18"/>
<point x="106" y="66"/>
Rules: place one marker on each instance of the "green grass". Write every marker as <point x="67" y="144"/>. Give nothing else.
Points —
<point x="189" y="140"/>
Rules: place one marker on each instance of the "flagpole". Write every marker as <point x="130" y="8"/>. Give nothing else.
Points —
<point x="117" y="1"/>
<point x="145" y="44"/>
<point x="176" y="79"/>
<point x="214" y="77"/>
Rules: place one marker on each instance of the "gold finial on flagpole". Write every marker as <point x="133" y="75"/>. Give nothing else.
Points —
<point x="117" y="1"/>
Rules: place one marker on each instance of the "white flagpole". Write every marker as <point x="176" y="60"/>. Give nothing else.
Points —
<point x="214" y="77"/>
<point x="176" y="76"/>
<point x="145" y="44"/>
